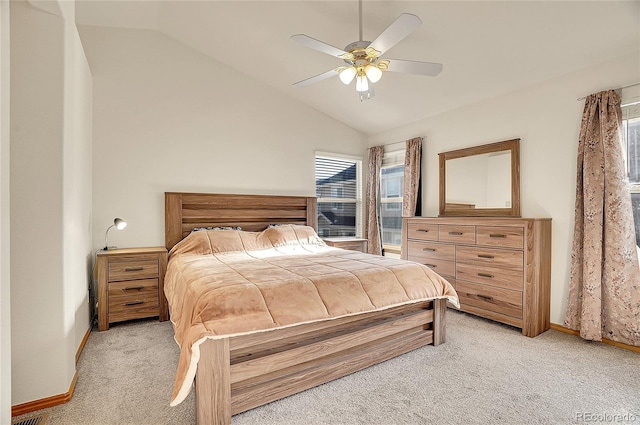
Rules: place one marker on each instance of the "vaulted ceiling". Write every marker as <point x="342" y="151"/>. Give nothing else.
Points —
<point x="488" y="48"/>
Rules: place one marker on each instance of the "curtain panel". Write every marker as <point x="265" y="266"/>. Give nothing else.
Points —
<point x="411" y="177"/>
<point x="373" y="198"/>
<point x="604" y="292"/>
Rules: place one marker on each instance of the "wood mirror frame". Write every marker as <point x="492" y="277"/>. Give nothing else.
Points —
<point x="464" y="210"/>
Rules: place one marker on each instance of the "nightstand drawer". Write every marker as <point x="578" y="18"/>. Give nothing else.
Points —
<point x="130" y="270"/>
<point x="133" y="307"/>
<point x="133" y="288"/>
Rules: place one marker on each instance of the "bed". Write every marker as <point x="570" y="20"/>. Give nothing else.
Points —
<point x="229" y="293"/>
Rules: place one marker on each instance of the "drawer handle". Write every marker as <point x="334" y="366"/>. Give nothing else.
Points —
<point x="456" y="233"/>
<point x="133" y="269"/>
<point x="485" y="275"/>
<point x="497" y="235"/>
<point x="422" y="230"/>
<point x="130" y="303"/>
<point x="133" y="288"/>
<point x="485" y="297"/>
<point x="433" y="266"/>
<point x="429" y="249"/>
<point x="485" y="256"/>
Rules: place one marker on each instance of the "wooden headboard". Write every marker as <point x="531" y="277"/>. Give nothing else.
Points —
<point x="184" y="211"/>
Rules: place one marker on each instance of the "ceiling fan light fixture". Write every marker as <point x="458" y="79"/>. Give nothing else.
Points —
<point x="373" y="73"/>
<point x="347" y="75"/>
<point x="362" y="82"/>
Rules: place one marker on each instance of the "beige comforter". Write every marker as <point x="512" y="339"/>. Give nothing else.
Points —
<point x="228" y="282"/>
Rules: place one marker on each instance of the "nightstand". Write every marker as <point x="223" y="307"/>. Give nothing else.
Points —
<point x="347" y="242"/>
<point x="131" y="285"/>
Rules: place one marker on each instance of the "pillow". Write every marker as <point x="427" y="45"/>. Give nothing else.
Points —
<point x="197" y="229"/>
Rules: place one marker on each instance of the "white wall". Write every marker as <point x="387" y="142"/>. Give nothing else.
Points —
<point x="5" y="293"/>
<point x="167" y="118"/>
<point x="50" y="199"/>
<point x="77" y="184"/>
<point x="546" y="117"/>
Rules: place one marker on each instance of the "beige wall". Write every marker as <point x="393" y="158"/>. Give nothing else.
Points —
<point x="546" y="117"/>
<point x="167" y="118"/>
<point x="50" y="198"/>
<point x="5" y="293"/>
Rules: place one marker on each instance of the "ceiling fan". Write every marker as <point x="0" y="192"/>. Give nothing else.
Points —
<point x="363" y="58"/>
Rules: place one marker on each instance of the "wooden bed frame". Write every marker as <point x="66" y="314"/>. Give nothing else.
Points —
<point x="239" y="373"/>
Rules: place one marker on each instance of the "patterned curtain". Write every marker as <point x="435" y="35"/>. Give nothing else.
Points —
<point x="604" y="293"/>
<point x="373" y="195"/>
<point x="411" y="176"/>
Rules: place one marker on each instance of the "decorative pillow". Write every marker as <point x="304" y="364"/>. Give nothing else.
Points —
<point x="197" y="229"/>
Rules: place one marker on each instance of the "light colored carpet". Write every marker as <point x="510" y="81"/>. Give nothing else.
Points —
<point x="486" y="373"/>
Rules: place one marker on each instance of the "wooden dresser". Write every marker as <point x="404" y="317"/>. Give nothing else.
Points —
<point x="131" y="285"/>
<point x="500" y="267"/>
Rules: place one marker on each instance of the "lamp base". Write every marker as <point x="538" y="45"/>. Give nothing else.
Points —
<point x="109" y="248"/>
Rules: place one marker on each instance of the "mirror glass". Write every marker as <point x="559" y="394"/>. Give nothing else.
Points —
<point x="481" y="180"/>
<point x="490" y="186"/>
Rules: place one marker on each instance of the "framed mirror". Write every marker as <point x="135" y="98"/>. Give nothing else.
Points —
<point x="481" y="181"/>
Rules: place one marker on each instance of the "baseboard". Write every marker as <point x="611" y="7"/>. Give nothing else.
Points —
<point x="561" y="328"/>
<point x="82" y="344"/>
<point x="43" y="403"/>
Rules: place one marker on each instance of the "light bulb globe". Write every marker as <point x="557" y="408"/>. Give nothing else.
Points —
<point x="362" y="83"/>
<point x="373" y="73"/>
<point x="347" y="75"/>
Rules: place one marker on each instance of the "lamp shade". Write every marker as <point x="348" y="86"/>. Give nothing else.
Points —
<point x="373" y="73"/>
<point x="119" y="224"/>
<point x="347" y="74"/>
<point x="362" y="83"/>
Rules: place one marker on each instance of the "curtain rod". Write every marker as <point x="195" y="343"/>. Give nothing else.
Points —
<point x="619" y="88"/>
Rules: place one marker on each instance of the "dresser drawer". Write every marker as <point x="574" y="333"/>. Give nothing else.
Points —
<point x="499" y="258"/>
<point x="421" y="251"/>
<point x="502" y="236"/>
<point x="133" y="288"/>
<point x="442" y="267"/>
<point x="502" y="301"/>
<point x="425" y="232"/>
<point x="457" y="234"/>
<point x="130" y="270"/>
<point x="494" y="276"/>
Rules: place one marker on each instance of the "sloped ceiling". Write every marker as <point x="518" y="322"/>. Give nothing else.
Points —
<point x="487" y="48"/>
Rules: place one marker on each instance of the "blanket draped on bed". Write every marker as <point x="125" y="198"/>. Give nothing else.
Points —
<point x="228" y="282"/>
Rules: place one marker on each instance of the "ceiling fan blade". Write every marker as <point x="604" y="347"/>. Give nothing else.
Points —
<point x="317" y="78"/>
<point x="414" y="67"/>
<point x="404" y="25"/>
<point x="318" y="45"/>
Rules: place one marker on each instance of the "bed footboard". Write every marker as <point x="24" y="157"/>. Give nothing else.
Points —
<point x="239" y="373"/>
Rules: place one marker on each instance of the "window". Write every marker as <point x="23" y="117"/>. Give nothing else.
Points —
<point x="339" y="193"/>
<point x="391" y="189"/>
<point x="631" y="150"/>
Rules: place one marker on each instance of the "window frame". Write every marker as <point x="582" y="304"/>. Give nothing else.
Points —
<point x="358" y="200"/>
<point x="393" y="157"/>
